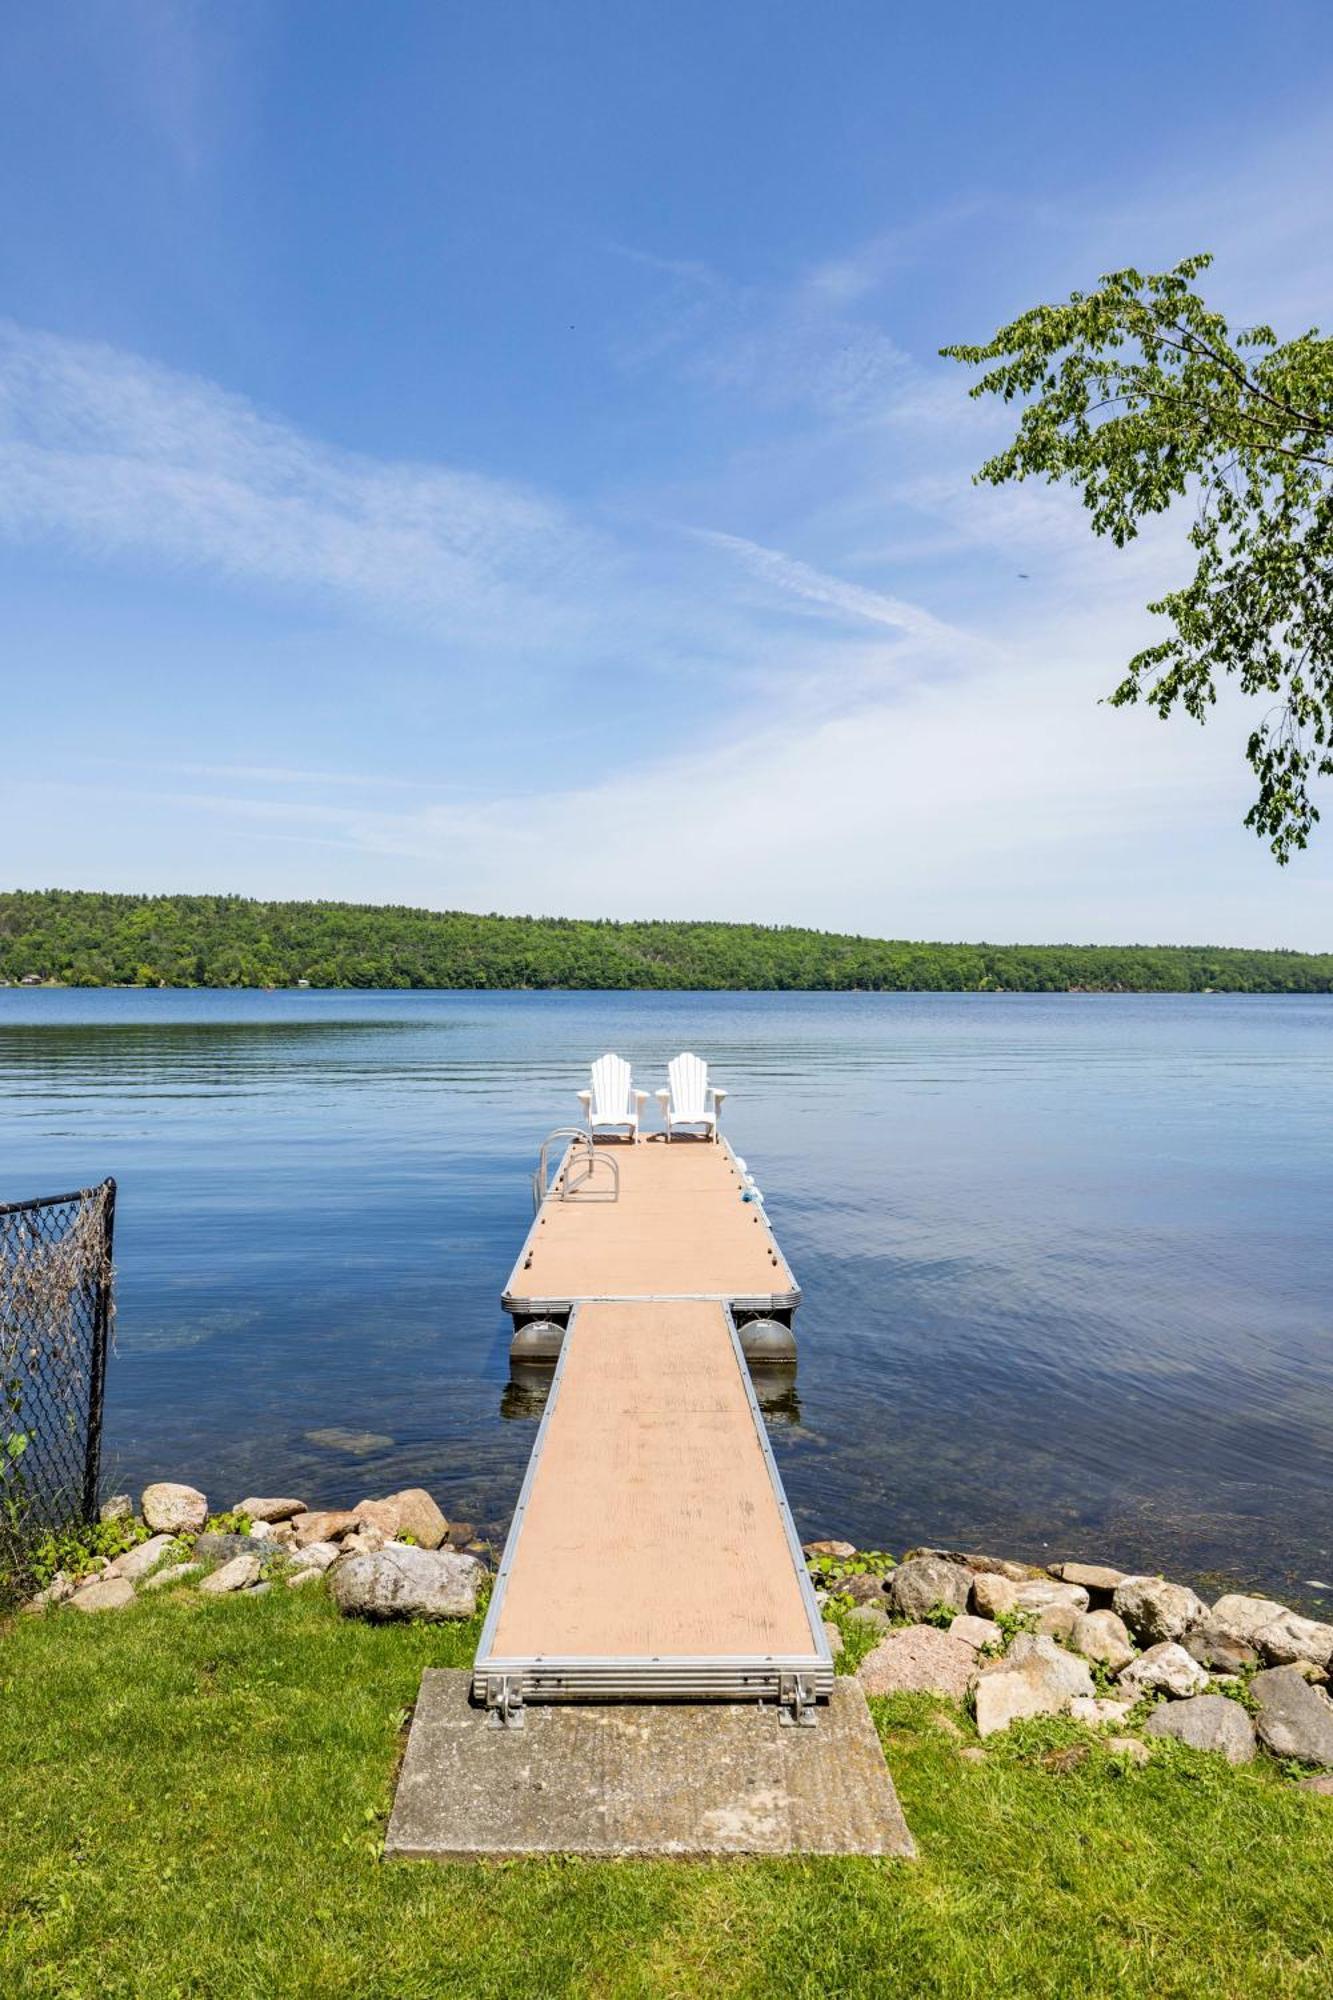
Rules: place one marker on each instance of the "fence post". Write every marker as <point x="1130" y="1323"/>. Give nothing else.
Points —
<point x="92" y="1466"/>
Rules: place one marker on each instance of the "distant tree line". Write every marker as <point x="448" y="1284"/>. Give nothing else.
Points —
<point x="85" y="939"/>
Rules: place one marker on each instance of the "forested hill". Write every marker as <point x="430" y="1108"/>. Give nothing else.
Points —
<point x="84" y="939"/>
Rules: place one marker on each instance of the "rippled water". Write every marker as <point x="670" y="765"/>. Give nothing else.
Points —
<point x="1067" y="1260"/>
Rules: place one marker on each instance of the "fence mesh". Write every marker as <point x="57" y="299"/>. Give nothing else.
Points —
<point x="56" y="1306"/>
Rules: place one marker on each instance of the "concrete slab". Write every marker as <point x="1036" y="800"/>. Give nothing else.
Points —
<point x="650" y="1780"/>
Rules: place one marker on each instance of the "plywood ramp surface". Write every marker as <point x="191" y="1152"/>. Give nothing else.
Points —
<point x="679" y="1225"/>
<point x="652" y="1527"/>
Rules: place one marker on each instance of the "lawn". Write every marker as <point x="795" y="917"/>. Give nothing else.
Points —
<point x="193" y="1795"/>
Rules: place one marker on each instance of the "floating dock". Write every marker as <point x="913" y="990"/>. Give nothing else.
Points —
<point x="652" y="1555"/>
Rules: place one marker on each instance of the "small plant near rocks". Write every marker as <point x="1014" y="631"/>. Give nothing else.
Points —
<point x="1011" y="1623"/>
<point x="77" y="1551"/>
<point x="939" y="1615"/>
<point x="234" y="1523"/>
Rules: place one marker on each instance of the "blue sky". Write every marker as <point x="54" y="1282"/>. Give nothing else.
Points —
<point x="496" y="457"/>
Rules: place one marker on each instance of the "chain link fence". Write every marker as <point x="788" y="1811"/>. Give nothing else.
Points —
<point x="56" y="1308"/>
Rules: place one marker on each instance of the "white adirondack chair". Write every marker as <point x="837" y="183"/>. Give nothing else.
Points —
<point x="611" y="1105"/>
<point x="690" y="1103"/>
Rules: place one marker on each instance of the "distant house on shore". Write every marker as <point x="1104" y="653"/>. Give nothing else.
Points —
<point x="31" y="979"/>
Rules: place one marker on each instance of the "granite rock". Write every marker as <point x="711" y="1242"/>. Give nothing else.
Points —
<point x="169" y="1509"/>
<point x="1165" y="1668"/>
<point x="1155" y="1610"/>
<point x="238" y="1574"/>
<point x="1292" y="1718"/>
<point x="1102" y="1636"/>
<point x="113" y="1593"/>
<point x="402" y="1582"/>
<point x="919" y="1659"/>
<point x="1206" y="1722"/>
<point x="916" y="1587"/>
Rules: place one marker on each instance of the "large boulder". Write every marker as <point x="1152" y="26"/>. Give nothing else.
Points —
<point x="1036" y="1677"/>
<point x="1097" y="1579"/>
<point x="328" y="1525"/>
<point x="411" y="1512"/>
<point x="169" y="1509"/>
<point x="1206" y="1722"/>
<point x="994" y="1595"/>
<point x="917" y="1587"/>
<point x="1291" y="1638"/>
<point x="1156" y="1610"/>
<point x="137" y="1562"/>
<point x="975" y="1632"/>
<point x="1101" y="1635"/>
<point x="1217" y="1650"/>
<point x="402" y="1582"/>
<point x="919" y="1659"/>
<point x="1293" y="1719"/>
<point x="238" y="1574"/>
<point x="105" y="1593"/>
<point x="270" y="1510"/>
<point x="1164" y="1669"/>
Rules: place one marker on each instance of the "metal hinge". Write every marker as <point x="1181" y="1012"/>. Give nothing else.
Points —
<point x="504" y="1702"/>
<point x="796" y="1702"/>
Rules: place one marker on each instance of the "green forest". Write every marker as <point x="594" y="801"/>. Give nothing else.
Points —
<point x="79" y="938"/>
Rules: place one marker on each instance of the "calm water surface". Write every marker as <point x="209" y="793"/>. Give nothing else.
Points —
<point x="1067" y="1261"/>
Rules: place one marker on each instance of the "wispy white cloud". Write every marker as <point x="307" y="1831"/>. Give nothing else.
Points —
<point x="817" y="590"/>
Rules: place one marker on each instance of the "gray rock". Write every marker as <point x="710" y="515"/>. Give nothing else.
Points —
<point x="258" y="1589"/>
<point x="979" y="1565"/>
<point x="169" y="1509"/>
<point x="1291" y="1638"/>
<point x="366" y="1540"/>
<point x="1206" y="1722"/>
<point x="1218" y="1650"/>
<point x="299" y="1576"/>
<point x="218" y="1548"/>
<point x="831" y="1633"/>
<point x="136" y="1562"/>
<point x="861" y="1589"/>
<point x="1057" y="1621"/>
<point x="58" y="1591"/>
<point x="174" y="1573"/>
<point x="994" y="1596"/>
<point x="269" y="1510"/>
<point x="120" y="1507"/>
<point x="1130" y="1749"/>
<point x="1238" y="1618"/>
<point x="1155" y="1610"/>
<point x="113" y="1593"/>
<point x="1101" y="1635"/>
<point x="919" y="1659"/>
<point x="401" y="1582"/>
<point x="1095" y="1578"/>
<point x="872" y="1615"/>
<point x="316" y="1556"/>
<point x="1165" y="1668"/>
<point x="975" y="1632"/>
<point x="916" y="1587"/>
<point x="1036" y="1677"/>
<point x="237" y="1574"/>
<point x="1293" y="1720"/>
<point x="1099" y="1710"/>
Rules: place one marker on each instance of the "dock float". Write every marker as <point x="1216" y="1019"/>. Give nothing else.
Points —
<point x="652" y="1555"/>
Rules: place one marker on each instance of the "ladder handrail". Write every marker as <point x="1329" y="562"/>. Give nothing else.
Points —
<point x="583" y="1155"/>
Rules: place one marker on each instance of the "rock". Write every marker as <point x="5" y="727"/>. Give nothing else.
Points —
<point x="995" y="1596"/>
<point x="1293" y="1720"/>
<point x="1130" y="1748"/>
<point x="1217" y="1650"/>
<point x="328" y="1526"/>
<point x="137" y="1562"/>
<point x="113" y="1593"/>
<point x="173" y="1510"/>
<point x="463" y="1532"/>
<point x="1101" y="1635"/>
<point x="1238" y="1618"/>
<point x="861" y="1589"/>
<point x="1095" y="1578"/>
<point x="401" y="1582"/>
<point x="919" y="1659"/>
<point x="979" y="1565"/>
<point x="975" y="1632"/>
<point x="174" y="1573"/>
<point x="310" y="1575"/>
<point x="1322" y="1783"/>
<point x="1291" y="1638"/>
<point x="1155" y="1610"/>
<point x="58" y="1591"/>
<point x="365" y="1540"/>
<point x="237" y="1574"/>
<point x="258" y="1589"/>
<point x="834" y="1637"/>
<point x="120" y="1507"/>
<point x="1035" y="1678"/>
<point x="839" y="1551"/>
<point x="1098" y="1711"/>
<point x="316" y="1556"/>
<point x="916" y="1587"/>
<point x="1206" y="1722"/>
<point x="972" y="1753"/>
<point x="1057" y="1621"/>
<point x="270" y="1510"/>
<point x="217" y="1547"/>
<point x="872" y="1615"/>
<point x="411" y="1512"/>
<point x="1308" y="1671"/>
<point x="357" y="1444"/>
<point x="1164" y="1669"/>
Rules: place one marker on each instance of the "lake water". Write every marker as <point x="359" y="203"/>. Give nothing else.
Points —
<point x="1067" y="1260"/>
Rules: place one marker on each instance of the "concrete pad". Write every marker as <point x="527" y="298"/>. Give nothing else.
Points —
<point x="647" y="1779"/>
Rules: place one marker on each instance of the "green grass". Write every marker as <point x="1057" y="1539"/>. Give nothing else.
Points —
<point x="193" y="1795"/>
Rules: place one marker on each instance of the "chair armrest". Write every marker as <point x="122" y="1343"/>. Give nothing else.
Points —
<point x="663" y="1097"/>
<point x="585" y="1099"/>
<point x="641" y="1098"/>
<point x="718" y="1096"/>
